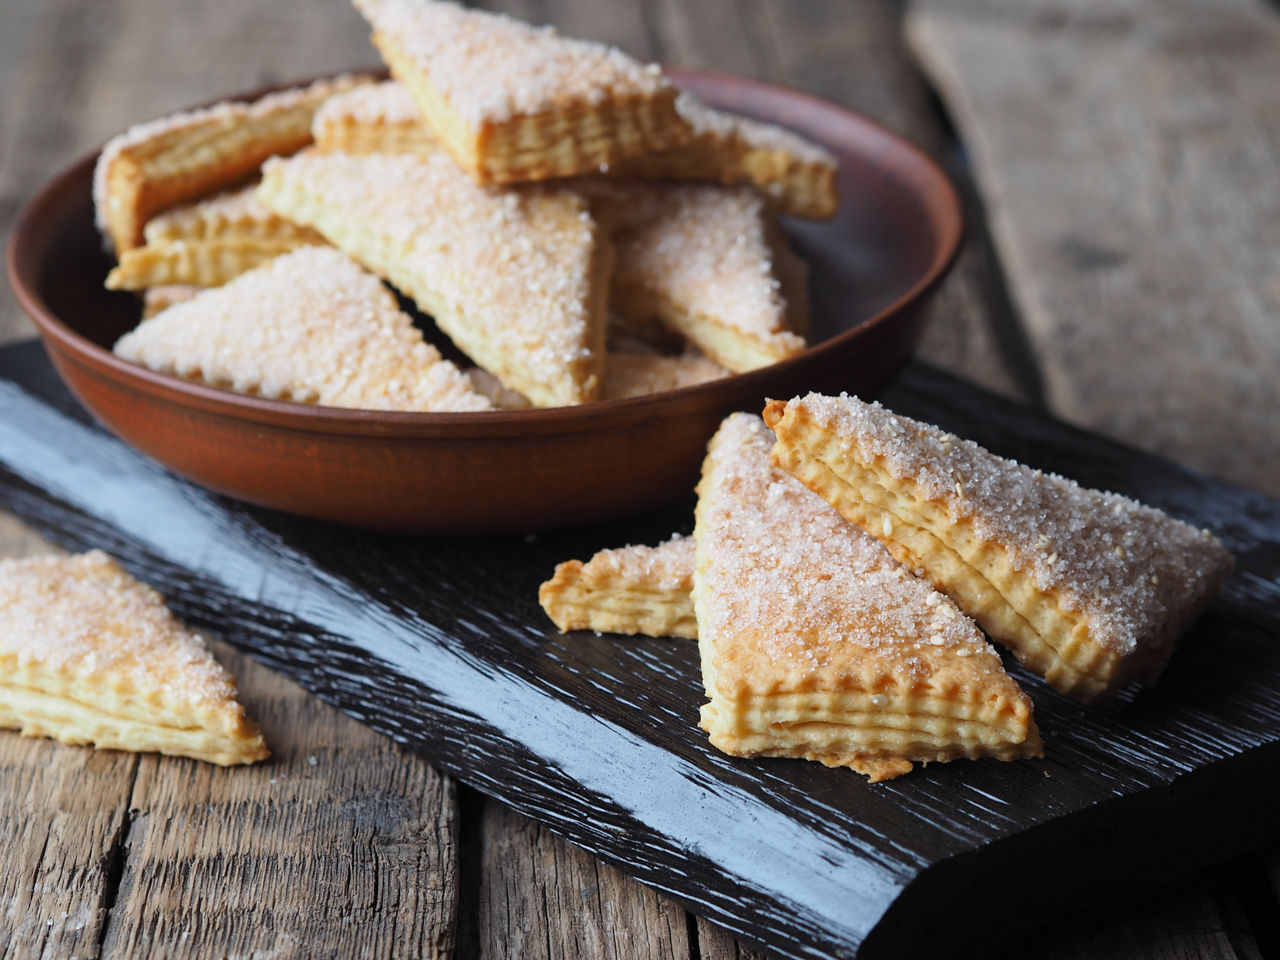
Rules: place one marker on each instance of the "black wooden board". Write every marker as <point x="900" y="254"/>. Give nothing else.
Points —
<point x="440" y="644"/>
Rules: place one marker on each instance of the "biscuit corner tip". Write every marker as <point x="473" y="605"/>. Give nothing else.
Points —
<point x="773" y="411"/>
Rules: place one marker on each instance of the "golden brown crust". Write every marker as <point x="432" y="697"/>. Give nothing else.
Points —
<point x="207" y="243"/>
<point x="1089" y="589"/>
<point x="515" y="103"/>
<point x="90" y="656"/>
<point x="816" y="644"/>
<point x="185" y="156"/>
<point x="628" y="590"/>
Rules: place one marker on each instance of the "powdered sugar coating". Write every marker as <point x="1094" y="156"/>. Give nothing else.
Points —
<point x="310" y="326"/>
<point x="492" y="68"/>
<point x="1132" y="571"/>
<point x="790" y="589"/>
<point x="509" y="267"/>
<point x="668" y="566"/>
<point x="82" y="617"/>
<point x="706" y="248"/>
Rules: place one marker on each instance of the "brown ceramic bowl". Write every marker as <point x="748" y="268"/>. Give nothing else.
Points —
<point x="871" y="270"/>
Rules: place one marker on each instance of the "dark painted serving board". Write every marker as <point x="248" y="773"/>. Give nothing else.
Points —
<point x="440" y="644"/>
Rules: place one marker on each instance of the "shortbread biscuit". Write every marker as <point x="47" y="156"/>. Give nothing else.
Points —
<point x="207" y="243"/>
<point x="797" y="174"/>
<point x="708" y="262"/>
<point x="90" y="656"/>
<point x="631" y="590"/>
<point x="185" y="156"/>
<point x="517" y="278"/>
<point x="156" y="300"/>
<point x="512" y="102"/>
<point x="1089" y="589"/>
<point x="310" y="326"/>
<point x="815" y="643"/>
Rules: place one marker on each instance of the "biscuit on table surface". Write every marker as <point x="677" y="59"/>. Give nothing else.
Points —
<point x="207" y="243"/>
<point x="185" y="156"/>
<point x="1089" y="589"/>
<point x="517" y="278"/>
<point x="311" y="326"/>
<point x="816" y="643"/>
<point x="708" y="262"/>
<point x="513" y="102"/>
<point x="88" y="655"/>
<point x="630" y="590"/>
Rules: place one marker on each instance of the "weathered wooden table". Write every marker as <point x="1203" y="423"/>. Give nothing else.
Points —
<point x="1121" y="163"/>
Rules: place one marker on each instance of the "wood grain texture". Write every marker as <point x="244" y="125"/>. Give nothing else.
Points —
<point x="339" y="845"/>
<point x="1127" y="156"/>
<point x="545" y="899"/>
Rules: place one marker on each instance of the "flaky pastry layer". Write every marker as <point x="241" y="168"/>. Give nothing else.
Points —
<point x="158" y="165"/>
<point x="816" y="643"/>
<point x="1090" y="589"/>
<point x="628" y="590"/>
<point x="90" y="656"/>
<point x="515" y="103"/>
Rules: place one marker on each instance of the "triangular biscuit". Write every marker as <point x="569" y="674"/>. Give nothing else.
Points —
<point x="207" y="243"/>
<point x="1090" y="589"/>
<point x="708" y="262"/>
<point x="310" y="326"/>
<point x="513" y="102"/>
<point x="89" y="655"/>
<point x="518" y="278"/>
<point x="185" y="156"/>
<point x="797" y="174"/>
<point x="815" y="643"/>
<point x="631" y="590"/>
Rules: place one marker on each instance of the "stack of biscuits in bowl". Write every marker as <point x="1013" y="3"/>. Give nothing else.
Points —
<point x="578" y="227"/>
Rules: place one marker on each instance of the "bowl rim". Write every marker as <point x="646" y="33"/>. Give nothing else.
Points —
<point x="942" y="209"/>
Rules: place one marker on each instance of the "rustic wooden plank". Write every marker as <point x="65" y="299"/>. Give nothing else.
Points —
<point x="341" y="844"/>
<point x="1128" y="158"/>
<point x="544" y="899"/>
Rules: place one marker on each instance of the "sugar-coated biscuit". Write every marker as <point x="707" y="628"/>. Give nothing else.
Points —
<point x="518" y="278"/>
<point x="708" y="262"/>
<point x="797" y="174"/>
<point x="1089" y="589"/>
<point x="513" y="102"/>
<point x="629" y="590"/>
<point x="815" y="643"/>
<point x="311" y="326"/>
<point x="207" y="243"/>
<point x="88" y="655"/>
<point x="182" y="157"/>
